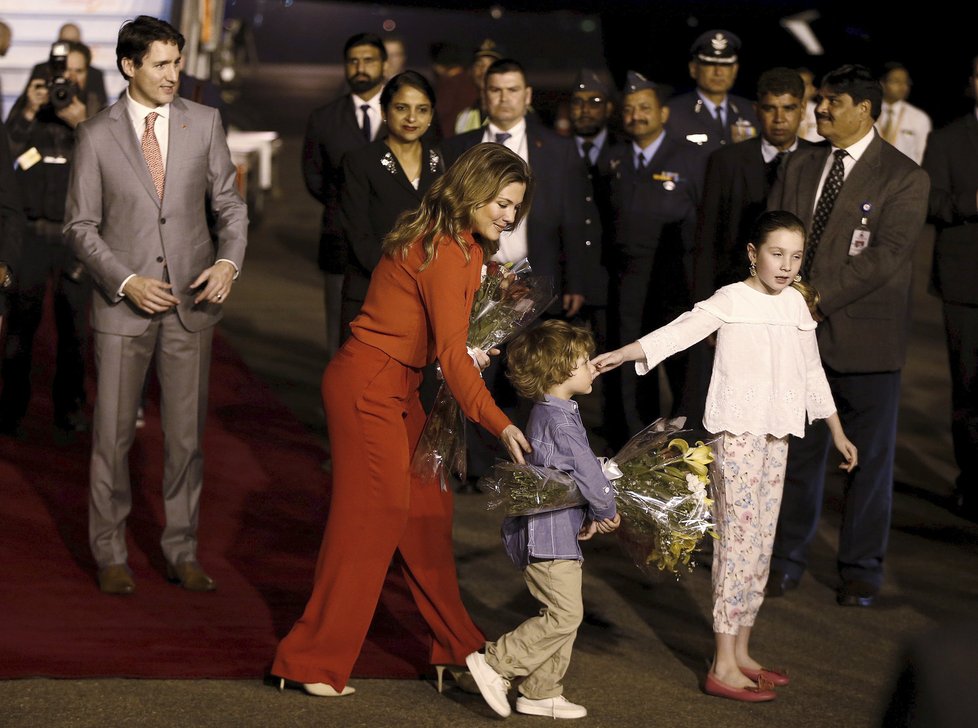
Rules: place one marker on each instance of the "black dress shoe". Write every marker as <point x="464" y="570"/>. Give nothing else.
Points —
<point x="778" y="583"/>
<point x="856" y="594"/>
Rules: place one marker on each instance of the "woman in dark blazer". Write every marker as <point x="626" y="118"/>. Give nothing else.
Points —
<point x="384" y="179"/>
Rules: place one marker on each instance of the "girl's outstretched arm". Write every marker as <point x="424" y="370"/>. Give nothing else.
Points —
<point x="612" y="359"/>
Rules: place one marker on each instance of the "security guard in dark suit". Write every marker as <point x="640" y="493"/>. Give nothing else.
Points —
<point x="711" y="116"/>
<point x="655" y="191"/>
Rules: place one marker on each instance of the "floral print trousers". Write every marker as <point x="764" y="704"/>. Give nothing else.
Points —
<point x="750" y="471"/>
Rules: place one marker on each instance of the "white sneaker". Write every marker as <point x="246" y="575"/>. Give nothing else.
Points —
<point x="559" y="707"/>
<point x="493" y="686"/>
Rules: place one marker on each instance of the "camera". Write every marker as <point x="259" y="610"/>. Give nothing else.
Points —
<point x="61" y="91"/>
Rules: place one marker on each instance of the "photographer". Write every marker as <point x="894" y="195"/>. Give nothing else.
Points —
<point x="42" y="135"/>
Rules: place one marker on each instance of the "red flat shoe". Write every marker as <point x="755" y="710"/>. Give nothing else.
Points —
<point x="748" y="695"/>
<point x="778" y="678"/>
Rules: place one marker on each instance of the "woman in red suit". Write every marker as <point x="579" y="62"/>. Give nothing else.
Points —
<point x="416" y="310"/>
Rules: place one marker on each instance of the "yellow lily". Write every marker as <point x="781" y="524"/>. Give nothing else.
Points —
<point x="696" y="458"/>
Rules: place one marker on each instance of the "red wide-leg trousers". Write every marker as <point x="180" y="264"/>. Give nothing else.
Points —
<point x="375" y="418"/>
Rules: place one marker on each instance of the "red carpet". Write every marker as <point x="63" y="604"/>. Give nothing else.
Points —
<point x="262" y="515"/>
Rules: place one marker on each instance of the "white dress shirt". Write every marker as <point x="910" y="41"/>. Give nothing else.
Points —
<point x="769" y="151"/>
<point x="513" y="244"/>
<point x="909" y="128"/>
<point x="137" y="116"/>
<point x="373" y="112"/>
<point x="855" y="151"/>
<point x="808" y="129"/>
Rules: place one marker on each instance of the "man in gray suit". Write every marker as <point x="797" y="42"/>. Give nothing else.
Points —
<point x="863" y="203"/>
<point x="144" y="170"/>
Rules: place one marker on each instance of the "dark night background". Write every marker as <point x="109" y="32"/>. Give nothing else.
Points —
<point x="552" y="41"/>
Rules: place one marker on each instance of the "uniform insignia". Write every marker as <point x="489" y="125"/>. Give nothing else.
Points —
<point x="719" y="43"/>
<point x="700" y="139"/>
<point x="668" y="180"/>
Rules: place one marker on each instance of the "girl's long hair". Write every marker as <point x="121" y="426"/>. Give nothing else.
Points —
<point x="447" y="209"/>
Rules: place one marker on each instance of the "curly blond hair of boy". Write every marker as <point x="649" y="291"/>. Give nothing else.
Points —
<point x="546" y="356"/>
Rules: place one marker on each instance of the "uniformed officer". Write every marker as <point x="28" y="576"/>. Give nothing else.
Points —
<point x="591" y="108"/>
<point x="655" y="190"/>
<point x="711" y="116"/>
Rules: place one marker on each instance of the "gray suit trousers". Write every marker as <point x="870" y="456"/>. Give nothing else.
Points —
<point x="183" y="367"/>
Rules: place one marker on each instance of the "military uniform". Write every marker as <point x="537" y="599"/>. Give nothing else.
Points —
<point x="692" y="117"/>
<point x="652" y="238"/>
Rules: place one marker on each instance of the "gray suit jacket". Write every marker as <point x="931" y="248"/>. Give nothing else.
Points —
<point x="866" y="297"/>
<point x="117" y="226"/>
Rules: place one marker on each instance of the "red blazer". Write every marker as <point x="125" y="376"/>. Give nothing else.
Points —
<point x="416" y="316"/>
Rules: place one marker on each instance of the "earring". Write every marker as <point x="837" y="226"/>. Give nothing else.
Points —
<point x="753" y="270"/>
<point x="798" y="278"/>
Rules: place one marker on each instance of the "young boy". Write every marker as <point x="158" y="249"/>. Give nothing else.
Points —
<point x="550" y="365"/>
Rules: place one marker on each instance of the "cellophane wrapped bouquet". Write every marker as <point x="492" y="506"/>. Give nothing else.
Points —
<point x="509" y="298"/>
<point x="660" y="484"/>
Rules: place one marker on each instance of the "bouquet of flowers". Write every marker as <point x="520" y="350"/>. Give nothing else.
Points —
<point x="660" y="484"/>
<point x="508" y="300"/>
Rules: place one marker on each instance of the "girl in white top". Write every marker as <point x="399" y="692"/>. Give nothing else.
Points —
<point x="767" y="375"/>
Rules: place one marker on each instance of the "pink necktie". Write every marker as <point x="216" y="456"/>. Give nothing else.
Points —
<point x="151" y="151"/>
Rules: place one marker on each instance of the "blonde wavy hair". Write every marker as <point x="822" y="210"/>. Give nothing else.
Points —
<point x="546" y="356"/>
<point x="447" y="209"/>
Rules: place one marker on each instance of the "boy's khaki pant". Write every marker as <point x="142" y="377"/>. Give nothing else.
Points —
<point x="540" y="648"/>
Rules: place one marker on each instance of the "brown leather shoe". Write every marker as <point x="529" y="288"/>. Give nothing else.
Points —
<point x="190" y="576"/>
<point x="116" y="579"/>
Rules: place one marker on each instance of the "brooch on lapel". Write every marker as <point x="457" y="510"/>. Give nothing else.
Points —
<point x="434" y="161"/>
<point x="389" y="162"/>
<point x="668" y="180"/>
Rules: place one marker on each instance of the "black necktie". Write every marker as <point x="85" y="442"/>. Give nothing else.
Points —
<point x="720" y="125"/>
<point x="502" y="136"/>
<point x="772" y="169"/>
<point x="365" y="127"/>
<point x="641" y="163"/>
<point x="833" y="183"/>
<point x="591" y="166"/>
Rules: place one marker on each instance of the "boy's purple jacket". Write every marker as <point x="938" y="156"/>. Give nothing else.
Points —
<point x="558" y="439"/>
